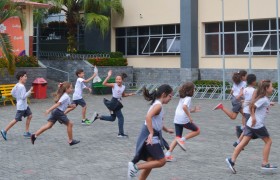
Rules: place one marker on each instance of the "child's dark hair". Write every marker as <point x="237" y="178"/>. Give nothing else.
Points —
<point x="186" y="89"/>
<point x="251" y="78"/>
<point x="165" y="88"/>
<point x="261" y="91"/>
<point x="236" y="77"/>
<point x="242" y="73"/>
<point x="62" y="87"/>
<point x="20" y="74"/>
<point x="123" y="75"/>
<point x="79" y="71"/>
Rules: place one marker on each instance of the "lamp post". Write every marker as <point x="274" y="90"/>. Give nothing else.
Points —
<point x="223" y="49"/>
<point x="249" y="35"/>
<point x="278" y="59"/>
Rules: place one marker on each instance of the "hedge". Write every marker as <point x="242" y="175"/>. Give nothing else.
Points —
<point x="21" y="61"/>
<point x="108" y="61"/>
<point x="210" y="83"/>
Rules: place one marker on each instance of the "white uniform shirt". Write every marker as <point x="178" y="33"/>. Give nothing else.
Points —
<point x="237" y="87"/>
<point x="247" y="93"/>
<point x="65" y="101"/>
<point x="117" y="91"/>
<point x="79" y="86"/>
<point x="180" y="115"/>
<point x="262" y="110"/>
<point x="19" y="92"/>
<point x="157" y="121"/>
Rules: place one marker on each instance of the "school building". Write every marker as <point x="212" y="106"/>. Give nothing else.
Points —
<point x="187" y="34"/>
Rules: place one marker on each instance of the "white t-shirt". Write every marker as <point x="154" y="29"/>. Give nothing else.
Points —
<point x="237" y="87"/>
<point x="117" y="91"/>
<point x="79" y="86"/>
<point x="65" y="101"/>
<point x="19" y="92"/>
<point x="180" y="115"/>
<point x="262" y="110"/>
<point x="157" y="121"/>
<point x="247" y="93"/>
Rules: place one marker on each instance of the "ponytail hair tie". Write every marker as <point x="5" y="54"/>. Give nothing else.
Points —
<point x="60" y="84"/>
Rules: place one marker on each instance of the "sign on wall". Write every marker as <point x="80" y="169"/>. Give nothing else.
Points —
<point x="12" y="27"/>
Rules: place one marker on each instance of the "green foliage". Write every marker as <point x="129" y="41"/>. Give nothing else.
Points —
<point x="21" y="61"/>
<point x="210" y="83"/>
<point x="108" y="61"/>
<point x="90" y="52"/>
<point x="116" y="54"/>
<point x="275" y="85"/>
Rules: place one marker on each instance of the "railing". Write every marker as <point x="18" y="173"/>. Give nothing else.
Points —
<point x="57" y="78"/>
<point x="69" y="56"/>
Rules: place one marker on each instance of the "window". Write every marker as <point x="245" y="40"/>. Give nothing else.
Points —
<point x="262" y="39"/>
<point x="149" y="40"/>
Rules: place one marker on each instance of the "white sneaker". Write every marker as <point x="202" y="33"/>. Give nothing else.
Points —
<point x="131" y="171"/>
<point x="181" y="143"/>
<point x="94" y="117"/>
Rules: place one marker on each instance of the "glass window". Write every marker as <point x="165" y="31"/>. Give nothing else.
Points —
<point x="242" y="41"/>
<point x="229" y="44"/>
<point x="131" y="31"/>
<point x="142" y="43"/>
<point x="229" y="26"/>
<point x="151" y="45"/>
<point x="144" y="30"/>
<point x="175" y="47"/>
<point x="271" y="44"/>
<point x="242" y="26"/>
<point x="212" y="44"/>
<point x="178" y="29"/>
<point x="120" y="45"/>
<point x="261" y="25"/>
<point x="169" y="29"/>
<point x="120" y="32"/>
<point x="164" y="44"/>
<point x="155" y="30"/>
<point x="211" y="27"/>
<point x="132" y="46"/>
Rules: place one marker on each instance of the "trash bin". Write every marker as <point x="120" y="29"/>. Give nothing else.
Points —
<point x="40" y="88"/>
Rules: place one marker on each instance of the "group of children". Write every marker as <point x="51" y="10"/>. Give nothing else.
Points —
<point x="253" y="104"/>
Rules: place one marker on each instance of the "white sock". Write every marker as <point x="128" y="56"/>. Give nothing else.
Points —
<point x="183" y="139"/>
<point x="238" y="141"/>
<point x="168" y="153"/>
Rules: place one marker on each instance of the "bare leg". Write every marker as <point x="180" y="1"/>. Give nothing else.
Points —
<point x="28" y="120"/>
<point x="152" y="164"/>
<point x="84" y="110"/>
<point x="172" y="145"/>
<point x="69" y="109"/>
<point x="145" y="172"/>
<point x="192" y="134"/>
<point x="69" y="131"/>
<point x="230" y="114"/>
<point x="44" y="128"/>
<point x="266" y="149"/>
<point x="239" y="147"/>
<point x="10" y="125"/>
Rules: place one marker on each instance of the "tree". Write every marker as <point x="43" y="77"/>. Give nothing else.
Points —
<point x="9" y="9"/>
<point x="93" y="12"/>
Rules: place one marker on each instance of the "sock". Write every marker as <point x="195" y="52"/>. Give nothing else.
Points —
<point x="83" y="119"/>
<point x="168" y="153"/>
<point x="183" y="139"/>
<point x="238" y="141"/>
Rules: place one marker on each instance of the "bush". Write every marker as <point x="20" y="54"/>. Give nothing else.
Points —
<point x="116" y="54"/>
<point x="21" y="61"/>
<point x="108" y="61"/>
<point x="210" y="83"/>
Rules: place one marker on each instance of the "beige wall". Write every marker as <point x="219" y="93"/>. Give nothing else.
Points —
<point x="155" y="12"/>
<point x="234" y="10"/>
<point x="154" y="61"/>
<point x="28" y="31"/>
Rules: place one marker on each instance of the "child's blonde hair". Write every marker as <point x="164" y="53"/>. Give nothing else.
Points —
<point x="62" y="87"/>
<point x="261" y="91"/>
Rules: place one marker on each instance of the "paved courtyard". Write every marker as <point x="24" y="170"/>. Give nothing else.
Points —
<point x="103" y="156"/>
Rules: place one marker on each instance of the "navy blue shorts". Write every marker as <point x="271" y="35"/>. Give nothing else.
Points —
<point x="258" y="133"/>
<point x="236" y="105"/>
<point x="58" y="115"/>
<point x="80" y="102"/>
<point x="179" y="128"/>
<point x="22" y="113"/>
<point x="154" y="151"/>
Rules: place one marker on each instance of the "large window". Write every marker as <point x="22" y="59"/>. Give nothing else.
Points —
<point x="261" y="40"/>
<point x="149" y="40"/>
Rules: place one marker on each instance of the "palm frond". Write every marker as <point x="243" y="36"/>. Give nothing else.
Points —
<point x="101" y="21"/>
<point x="116" y="6"/>
<point x="6" y="48"/>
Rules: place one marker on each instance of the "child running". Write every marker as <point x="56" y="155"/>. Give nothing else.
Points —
<point x="183" y="119"/>
<point x="77" y="95"/>
<point x="150" y="142"/>
<point x="62" y="102"/>
<point x="23" y="110"/>
<point x="247" y="95"/>
<point x="255" y="126"/>
<point x="115" y="104"/>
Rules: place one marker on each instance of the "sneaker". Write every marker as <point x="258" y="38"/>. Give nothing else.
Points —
<point x="235" y="144"/>
<point x="181" y="143"/>
<point x="27" y="134"/>
<point x="33" y="138"/>
<point x="219" y="106"/>
<point x="74" y="142"/>
<point x="4" y="134"/>
<point x="238" y="130"/>
<point x="122" y="135"/>
<point x="83" y="122"/>
<point x="230" y="165"/>
<point x="95" y="116"/>
<point x="131" y="171"/>
<point x="170" y="158"/>
<point x="87" y="122"/>
<point x="268" y="167"/>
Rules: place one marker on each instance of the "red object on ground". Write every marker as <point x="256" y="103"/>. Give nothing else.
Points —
<point x="40" y="88"/>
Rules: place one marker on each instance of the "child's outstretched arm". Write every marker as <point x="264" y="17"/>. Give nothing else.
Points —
<point x="91" y="78"/>
<point x="105" y="82"/>
<point x="52" y="108"/>
<point x="168" y="130"/>
<point x="127" y="94"/>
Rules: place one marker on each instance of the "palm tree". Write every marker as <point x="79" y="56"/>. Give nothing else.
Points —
<point x="9" y="9"/>
<point x="94" y="12"/>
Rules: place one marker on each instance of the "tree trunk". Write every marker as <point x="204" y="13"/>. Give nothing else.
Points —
<point x="71" y="22"/>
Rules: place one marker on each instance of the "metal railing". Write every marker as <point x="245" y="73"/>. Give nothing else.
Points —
<point x="51" y="55"/>
<point x="57" y="78"/>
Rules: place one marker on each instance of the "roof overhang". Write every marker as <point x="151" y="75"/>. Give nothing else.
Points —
<point x="33" y="4"/>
